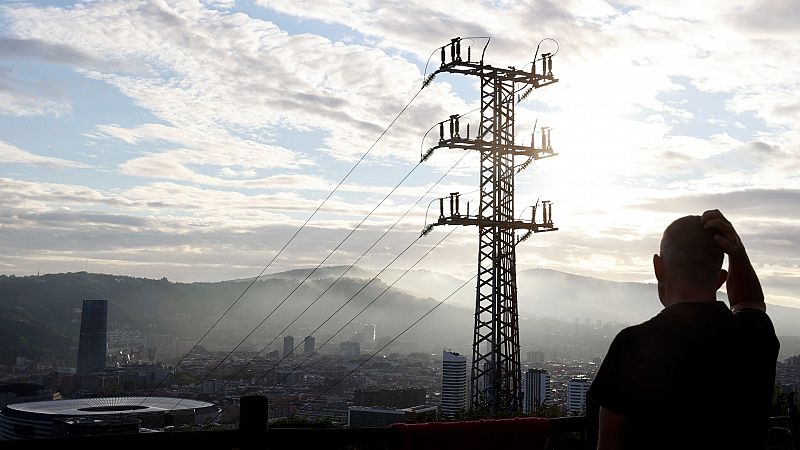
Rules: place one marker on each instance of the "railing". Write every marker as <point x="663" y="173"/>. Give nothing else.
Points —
<point x="566" y="433"/>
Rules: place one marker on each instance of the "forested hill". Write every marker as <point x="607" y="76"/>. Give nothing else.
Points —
<point x="40" y="315"/>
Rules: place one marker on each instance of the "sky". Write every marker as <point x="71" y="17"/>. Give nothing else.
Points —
<point x="191" y="139"/>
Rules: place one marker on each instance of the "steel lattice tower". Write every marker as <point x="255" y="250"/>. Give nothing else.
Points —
<point x="495" y="382"/>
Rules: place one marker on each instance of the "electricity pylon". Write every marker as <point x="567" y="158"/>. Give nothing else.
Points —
<point x="495" y="382"/>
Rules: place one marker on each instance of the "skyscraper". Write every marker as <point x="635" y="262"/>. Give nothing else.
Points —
<point x="576" y="395"/>
<point x="92" y="343"/>
<point x="308" y="345"/>
<point x="288" y="345"/>
<point x="454" y="383"/>
<point x="537" y="389"/>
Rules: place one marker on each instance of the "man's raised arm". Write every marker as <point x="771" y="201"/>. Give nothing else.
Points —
<point x="744" y="289"/>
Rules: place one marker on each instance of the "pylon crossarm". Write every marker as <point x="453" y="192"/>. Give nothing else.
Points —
<point x="477" y="144"/>
<point x="482" y="222"/>
<point x="535" y="80"/>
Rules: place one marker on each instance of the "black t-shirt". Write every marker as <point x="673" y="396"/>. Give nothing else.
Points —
<point x="694" y="376"/>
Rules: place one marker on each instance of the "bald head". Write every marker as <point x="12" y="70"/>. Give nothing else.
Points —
<point x="690" y="255"/>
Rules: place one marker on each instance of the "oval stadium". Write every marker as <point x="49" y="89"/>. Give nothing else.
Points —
<point x="47" y="419"/>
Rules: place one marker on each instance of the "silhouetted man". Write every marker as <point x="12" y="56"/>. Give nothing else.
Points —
<point x="698" y="374"/>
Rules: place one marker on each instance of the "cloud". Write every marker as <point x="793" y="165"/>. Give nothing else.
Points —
<point x="25" y="98"/>
<point x="754" y="203"/>
<point x="770" y="17"/>
<point x="240" y="73"/>
<point x="41" y="49"/>
<point x="10" y="154"/>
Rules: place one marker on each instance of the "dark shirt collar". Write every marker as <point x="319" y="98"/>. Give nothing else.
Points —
<point x="695" y="309"/>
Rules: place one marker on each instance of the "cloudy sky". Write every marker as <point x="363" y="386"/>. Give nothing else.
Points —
<point x="190" y="139"/>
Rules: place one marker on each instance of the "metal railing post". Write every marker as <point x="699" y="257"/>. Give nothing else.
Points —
<point x="253" y="421"/>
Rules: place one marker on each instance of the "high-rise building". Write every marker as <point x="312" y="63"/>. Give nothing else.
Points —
<point x="576" y="395"/>
<point x="537" y="390"/>
<point x="308" y="345"/>
<point x="454" y="383"/>
<point x="92" y="343"/>
<point x="288" y="345"/>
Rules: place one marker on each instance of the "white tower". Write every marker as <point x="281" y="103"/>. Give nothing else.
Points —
<point x="454" y="383"/>
<point x="576" y="395"/>
<point x="537" y="389"/>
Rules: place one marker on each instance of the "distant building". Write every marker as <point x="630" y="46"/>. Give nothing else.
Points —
<point x="23" y="392"/>
<point x="350" y="349"/>
<point x="536" y="357"/>
<point x="537" y="390"/>
<point x="392" y="398"/>
<point x="288" y="345"/>
<point x="308" y="345"/>
<point x="47" y="419"/>
<point x="92" y="343"/>
<point x="375" y="417"/>
<point x="576" y="395"/>
<point x="454" y="383"/>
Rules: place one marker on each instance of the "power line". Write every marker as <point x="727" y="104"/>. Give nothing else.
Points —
<point x="340" y="277"/>
<point x="349" y="172"/>
<point x="390" y="342"/>
<point x="359" y="313"/>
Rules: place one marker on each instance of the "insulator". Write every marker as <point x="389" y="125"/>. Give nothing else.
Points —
<point x="458" y="50"/>
<point x="458" y="128"/>
<point x="443" y="55"/>
<point x="441" y="208"/>
<point x="544" y="212"/>
<point x="467" y="130"/>
<point x="428" y="80"/>
<point x="525" y="165"/>
<point x="427" y="155"/>
<point x="524" y="95"/>
<point x="457" y="209"/>
<point x="441" y="131"/>
<point x="426" y="230"/>
<point x="544" y="63"/>
<point x="550" y="66"/>
<point x="524" y="237"/>
<point x="469" y="53"/>
<point x="544" y="138"/>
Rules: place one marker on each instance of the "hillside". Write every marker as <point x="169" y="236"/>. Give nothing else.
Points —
<point x="41" y="315"/>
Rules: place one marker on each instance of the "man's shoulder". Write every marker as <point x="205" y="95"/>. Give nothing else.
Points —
<point x="642" y="329"/>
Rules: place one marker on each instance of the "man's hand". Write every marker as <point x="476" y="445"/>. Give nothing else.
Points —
<point x="744" y="289"/>
<point x="727" y="238"/>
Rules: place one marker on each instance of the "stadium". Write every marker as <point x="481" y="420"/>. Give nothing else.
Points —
<point x="56" y="418"/>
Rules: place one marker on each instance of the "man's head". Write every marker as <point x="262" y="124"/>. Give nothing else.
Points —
<point x="689" y="265"/>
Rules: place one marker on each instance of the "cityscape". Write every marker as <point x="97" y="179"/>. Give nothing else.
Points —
<point x="349" y="384"/>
